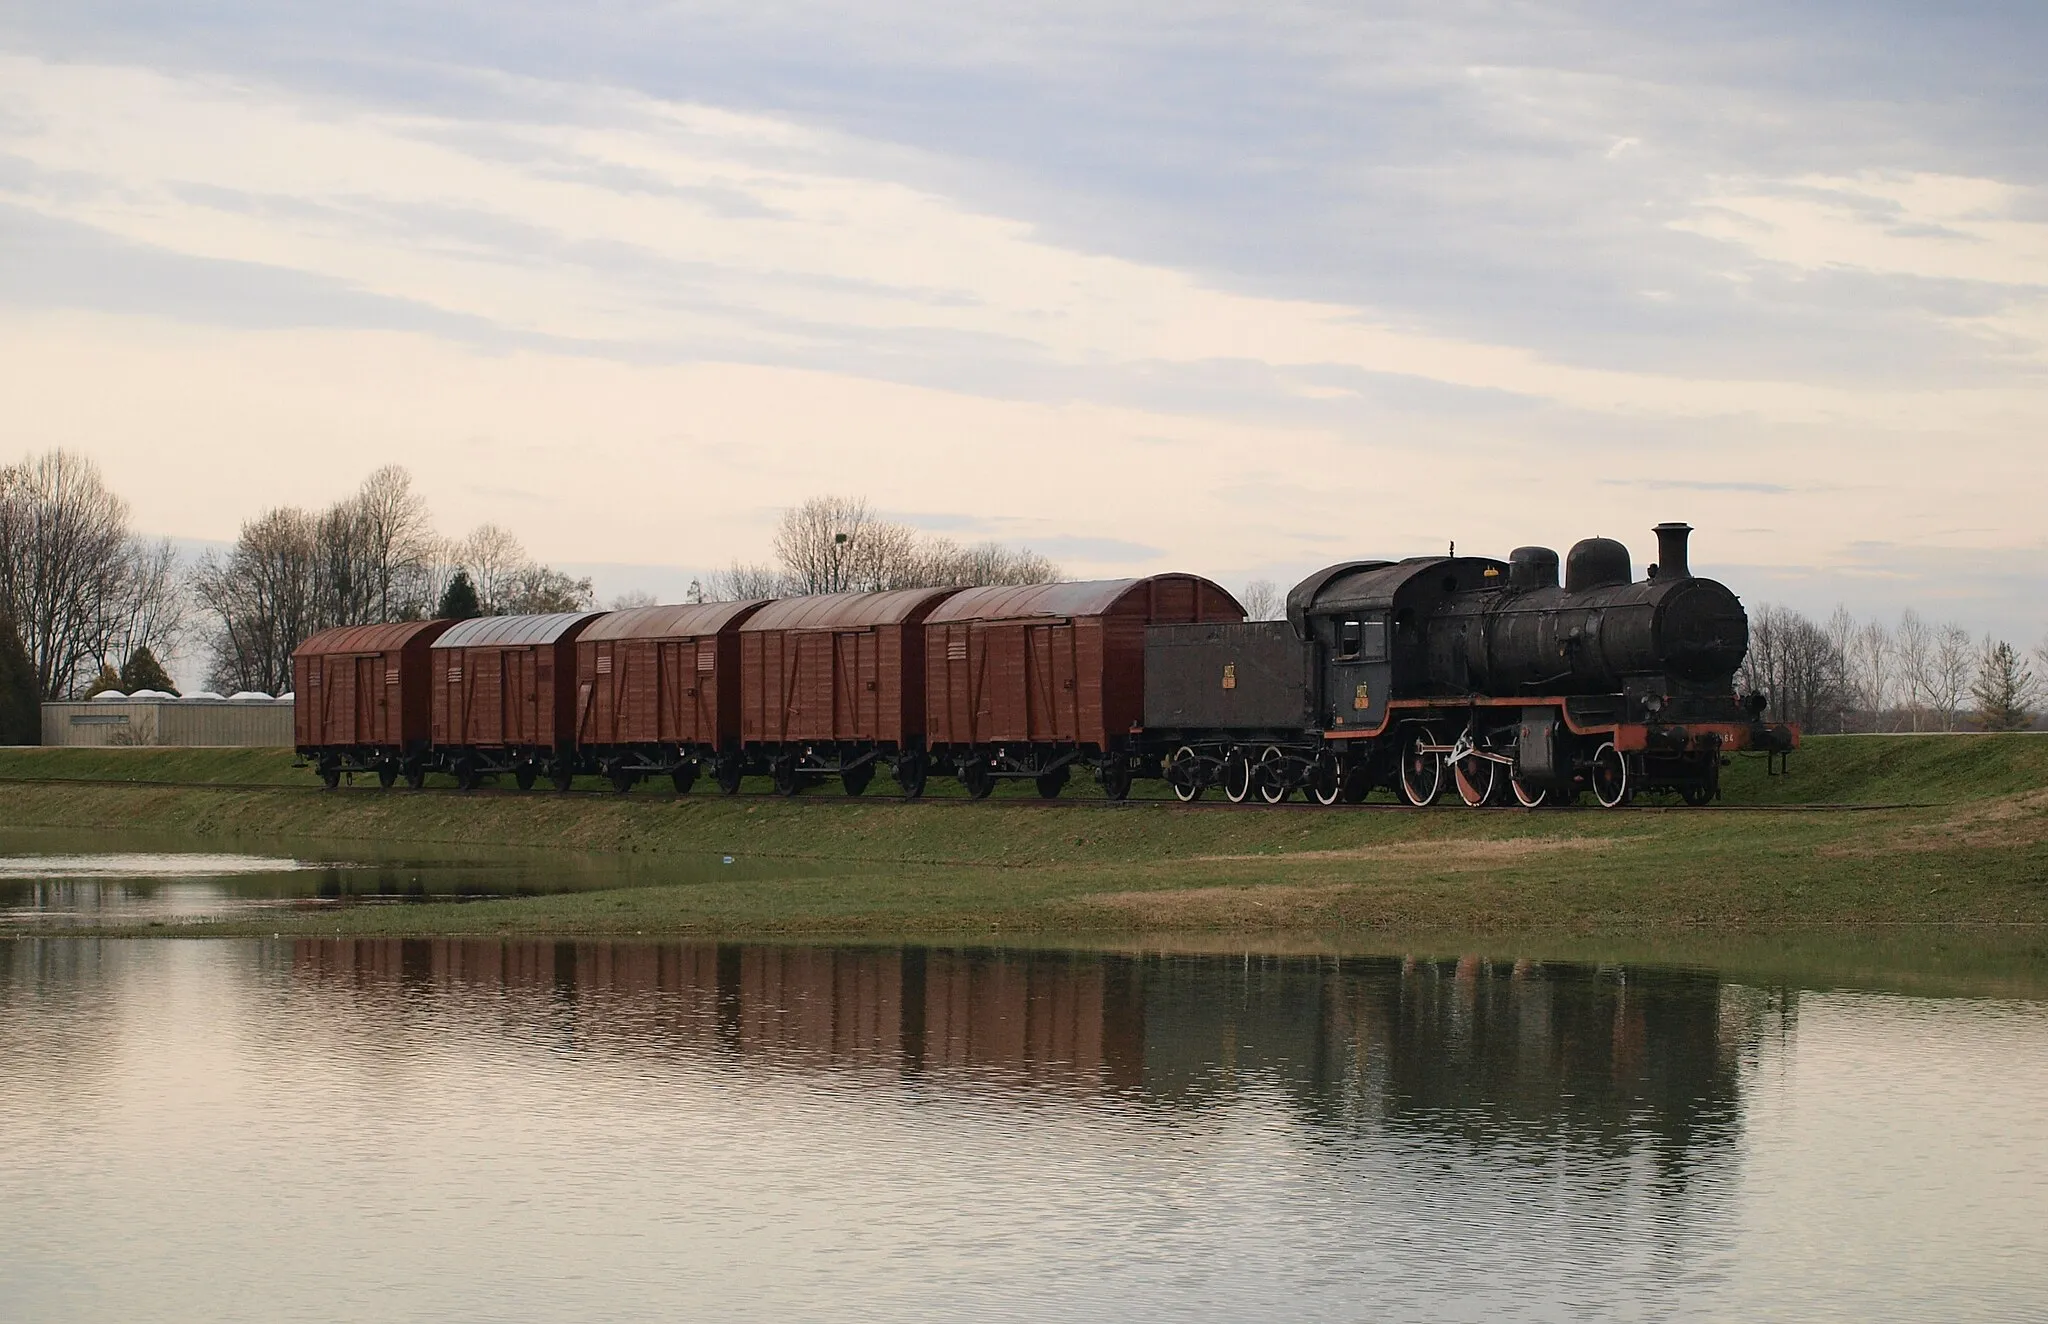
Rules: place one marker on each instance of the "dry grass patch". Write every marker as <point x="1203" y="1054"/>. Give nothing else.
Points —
<point x="1448" y="852"/>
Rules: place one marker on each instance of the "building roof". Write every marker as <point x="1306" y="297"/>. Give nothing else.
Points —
<point x="513" y="631"/>
<point x="385" y="638"/>
<point x="846" y="611"/>
<point x="682" y="621"/>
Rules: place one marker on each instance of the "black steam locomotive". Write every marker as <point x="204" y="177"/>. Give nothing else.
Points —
<point x="1491" y="677"/>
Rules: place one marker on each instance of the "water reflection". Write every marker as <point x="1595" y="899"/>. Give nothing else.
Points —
<point x="1610" y="1058"/>
<point x="540" y="1130"/>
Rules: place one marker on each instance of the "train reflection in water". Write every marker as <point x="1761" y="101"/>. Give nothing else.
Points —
<point x="1621" y="1059"/>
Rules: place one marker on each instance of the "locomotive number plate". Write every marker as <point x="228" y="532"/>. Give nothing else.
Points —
<point x="1363" y="699"/>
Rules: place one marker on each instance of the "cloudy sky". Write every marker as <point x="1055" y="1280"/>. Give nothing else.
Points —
<point x="1235" y="289"/>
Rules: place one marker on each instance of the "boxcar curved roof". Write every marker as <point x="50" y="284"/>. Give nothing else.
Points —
<point x="515" y="631"/>
<point x="845" y="611"/>
<point x="385" y="638"/>
<point x="1095" y="597"/>
<point x="680" y="621"/>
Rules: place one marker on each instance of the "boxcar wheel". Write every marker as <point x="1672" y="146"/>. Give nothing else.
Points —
<point x="784" y="773"/>
<point x="856" y="779"/>
<point x="1116" y="780"/>
<point x="330" y="775"/>
<point x="683" y="778"/>
<point x="1050" y="784"/>
<point x="466" y="775"/>
<point x="524" y="776"/>
<point x="727" y="772"/>
<point x="387" y="775"/>
<point x="979" y="781"/>
<point x="910" y="775"/>
<point x="623" y="778"/>
<point x="562" y="777"/>
<point x="415" y="775"/>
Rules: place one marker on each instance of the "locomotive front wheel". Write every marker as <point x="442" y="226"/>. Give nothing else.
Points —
<point x="1237" y="777"/>
<point x="1478" y="781"/>
<point x="1610" y="777"/>
<point x="1271" y="789"/>
<point x="1178" y="769"/>
<point x="1422" y="772"/>
<point x="1527" y="796"/>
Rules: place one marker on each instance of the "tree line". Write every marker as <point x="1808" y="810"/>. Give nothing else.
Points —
<point x="836" y="544"/>
<point x="1842" y="674"/>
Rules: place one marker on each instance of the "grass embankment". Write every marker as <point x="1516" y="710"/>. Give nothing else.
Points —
<point x="1975" y="852"/>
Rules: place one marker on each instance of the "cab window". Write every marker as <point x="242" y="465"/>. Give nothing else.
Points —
<point x="1372" y="644"/>
<point x="1350" y="639"/>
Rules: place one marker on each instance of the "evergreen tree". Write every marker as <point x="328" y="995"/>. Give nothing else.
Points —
<point x="144" y="672"/>
<point x="2004" y="689"/>
<point x="21" y="719"/>
<point x="460" y="601"/>
<point x="108" y="679"/>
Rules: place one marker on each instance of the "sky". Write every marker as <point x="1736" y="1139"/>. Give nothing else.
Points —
<point x="1233" y="289"/>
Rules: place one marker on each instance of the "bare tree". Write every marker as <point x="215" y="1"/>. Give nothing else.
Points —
<point x="76" y="582"/>
<point x="1914" y="650"/>
<point x="399" y="545"/>
<point x="1262" y="601"/>
<point x="740" y="581"/>
<point x="822" y="543"/>
<point x="1872" y="663"/>
<point x="495" y="560"/>
<point x="538" y="590"/>
<point x="264" y="596"/>
<point x="1796" y="666"/>
<point x="635" y="597"/>
<point x="1955" y="662"/>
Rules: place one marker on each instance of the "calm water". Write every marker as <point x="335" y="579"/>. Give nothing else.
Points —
<point x="441" y="1130"/>
<point x="74" y="879"/>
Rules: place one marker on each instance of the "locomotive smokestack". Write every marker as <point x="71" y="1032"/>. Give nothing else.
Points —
<point x="1671" y="551"/>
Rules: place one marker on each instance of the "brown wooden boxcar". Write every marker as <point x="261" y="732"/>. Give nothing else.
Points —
<point x="834" y="683"/>
<point x="1028" y="680"/>
<point x="658" y="690"/>
<point x="505" y="696"/>
<point x="363" y="699"/>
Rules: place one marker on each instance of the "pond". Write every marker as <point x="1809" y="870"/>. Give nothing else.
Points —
<point x="452" y="1129"/>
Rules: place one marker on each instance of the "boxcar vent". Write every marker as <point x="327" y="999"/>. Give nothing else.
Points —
<point x="707" y="658"/>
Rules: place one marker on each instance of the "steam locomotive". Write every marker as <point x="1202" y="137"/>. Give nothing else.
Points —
<point x="1416" y="676"/>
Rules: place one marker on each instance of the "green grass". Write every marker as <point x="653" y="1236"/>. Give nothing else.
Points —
<point x="1976" y="855"/>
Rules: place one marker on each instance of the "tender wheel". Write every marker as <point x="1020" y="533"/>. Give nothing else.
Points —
<point x="1271" y="789"/>
<point x="727" y="773"/>
<point x="1527" y="796"/>
<point x="911" y="771"/>
<point x="1610" y="777"/>
<point x="683" y="777"/>
<point x="787" y="780"/>
<point x="1326" y="780"/>
<point x="1116" y="779"/>
<point x="1478" y="781"/>
<point x="1237" y="777"/>
<point x="979" y="781"/>
<point x="1050" y="784"/>
<point x="1183" y="764"/>
<point x="524" y="776"/>
<point x="387" y="775"/>
<point x="1422" y="773"/>
<point x="856" y="779"/>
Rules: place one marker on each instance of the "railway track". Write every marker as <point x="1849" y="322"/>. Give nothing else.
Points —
<point x="1006" y="802"/>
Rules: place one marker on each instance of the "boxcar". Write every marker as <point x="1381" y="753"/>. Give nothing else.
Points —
<point x="362" y="699"/>
<point x="1030" y="680"/>
<point x="833" y="684"/>
<point x="504" y="692"/>
<point x="658" y="691"/>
